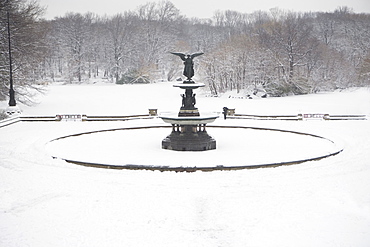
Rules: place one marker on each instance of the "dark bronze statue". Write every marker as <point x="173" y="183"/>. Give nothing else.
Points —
<point x="188" y="100"/>
<point x="188" y="62"/>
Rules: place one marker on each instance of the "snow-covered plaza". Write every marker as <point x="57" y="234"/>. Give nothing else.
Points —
<point x="45" y="201"/>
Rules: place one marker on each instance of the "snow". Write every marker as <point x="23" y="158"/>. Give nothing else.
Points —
<point x="48" y="202"/>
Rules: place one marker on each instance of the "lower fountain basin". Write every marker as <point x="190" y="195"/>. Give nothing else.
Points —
<point x="173" y="118"/>
<point x="188" y="132"/>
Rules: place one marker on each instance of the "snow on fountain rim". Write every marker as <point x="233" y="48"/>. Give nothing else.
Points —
<point x="173" y="118"/>
<point x="189" y="85"/>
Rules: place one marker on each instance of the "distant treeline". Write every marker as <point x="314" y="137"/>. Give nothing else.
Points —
<point x="281" y="52"/>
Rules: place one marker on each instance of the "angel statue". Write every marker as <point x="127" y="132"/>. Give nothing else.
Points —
<point x="188" y="62"/>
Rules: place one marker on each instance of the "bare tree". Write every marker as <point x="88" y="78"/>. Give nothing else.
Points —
<point x="27" y="46"/>
<point x="73" y="33"/>
<point x="121" y="41"/>
<point x="290" y="40"/>
<point x="157" y="33"/>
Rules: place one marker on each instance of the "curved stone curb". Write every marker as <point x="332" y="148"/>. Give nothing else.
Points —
<point x="195" y="168"/>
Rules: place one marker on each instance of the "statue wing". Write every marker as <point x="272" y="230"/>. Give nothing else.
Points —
<point x="196" y="54"/>
<point x="181" y="55"/>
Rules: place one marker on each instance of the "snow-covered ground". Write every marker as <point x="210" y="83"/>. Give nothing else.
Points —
<point x="48" y="202"/>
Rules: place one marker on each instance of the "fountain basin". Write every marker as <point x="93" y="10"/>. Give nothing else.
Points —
<point x="173" y="118"/>
<point x="189" y="85"/>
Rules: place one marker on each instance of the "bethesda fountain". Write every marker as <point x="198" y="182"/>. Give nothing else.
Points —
<point x="188" y="125"/>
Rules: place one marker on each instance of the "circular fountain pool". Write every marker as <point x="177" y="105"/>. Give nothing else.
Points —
<point x="238" y="148"/>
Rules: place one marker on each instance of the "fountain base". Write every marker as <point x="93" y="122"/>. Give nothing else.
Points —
<point x="189" y="138"/>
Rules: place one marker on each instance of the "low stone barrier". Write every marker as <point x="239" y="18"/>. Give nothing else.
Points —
<point x="299" y="117"/>
<point x="153" y="113"/>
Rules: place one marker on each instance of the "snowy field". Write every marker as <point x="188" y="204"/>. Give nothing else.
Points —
<point x="48" y="202"/>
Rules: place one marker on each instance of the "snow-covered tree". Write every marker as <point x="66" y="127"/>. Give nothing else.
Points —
<point x="73" y="31"/>
<point x="28" y="49"/>
<point x="120" y="43"/>
<point x="280" y="51"/>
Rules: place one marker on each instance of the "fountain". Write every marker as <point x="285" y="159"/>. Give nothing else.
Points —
<point x="188" y="126"/>
<point x="99" y="148"/>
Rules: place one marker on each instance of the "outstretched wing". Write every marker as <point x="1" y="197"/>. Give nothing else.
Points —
<point x="183" y="56"/>
<point x="196" y="54"/>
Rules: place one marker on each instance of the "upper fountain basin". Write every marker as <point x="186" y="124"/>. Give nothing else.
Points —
<point x="188" y="85"/>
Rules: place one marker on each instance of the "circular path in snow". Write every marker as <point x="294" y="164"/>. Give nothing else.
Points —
<point x="238" y="147"/>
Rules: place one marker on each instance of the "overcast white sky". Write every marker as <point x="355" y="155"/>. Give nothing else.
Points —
<point x="198" y="8"/>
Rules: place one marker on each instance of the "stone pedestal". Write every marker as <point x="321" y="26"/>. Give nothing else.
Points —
<point x="13" y="111"/>
<point x="188" y="113"/>
<point x="189" y="138"/>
